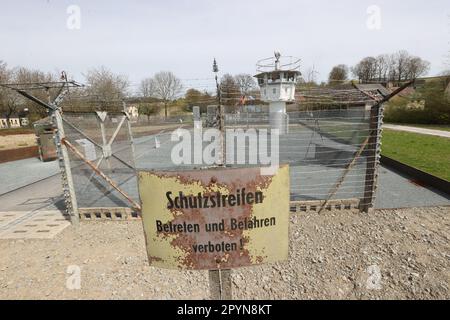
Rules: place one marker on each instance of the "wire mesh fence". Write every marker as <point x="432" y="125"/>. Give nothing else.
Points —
<point x="319" y="147"/>
<point x="331" y="143"/>
<point x="107" y="143"/>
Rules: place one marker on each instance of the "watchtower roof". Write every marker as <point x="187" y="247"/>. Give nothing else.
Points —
<point x="262" y="74"/>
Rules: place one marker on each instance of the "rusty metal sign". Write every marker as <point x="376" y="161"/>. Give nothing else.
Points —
<point x="215" y="219"/>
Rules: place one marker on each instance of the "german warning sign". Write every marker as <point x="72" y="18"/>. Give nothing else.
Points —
<point x="215" y="219"/>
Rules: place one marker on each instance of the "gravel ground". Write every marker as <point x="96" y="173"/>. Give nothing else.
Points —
<point x="332" y="256"/>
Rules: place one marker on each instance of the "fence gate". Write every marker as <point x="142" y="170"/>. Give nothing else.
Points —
<point x="101" y="154"/>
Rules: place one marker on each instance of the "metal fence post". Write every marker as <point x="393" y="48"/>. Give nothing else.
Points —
<point x="220" y="284"/>
<point x="130" y="133"/>
<point x="220" y="280"/>
<point x="66" y="171"/>
<point x="373" y="155"/>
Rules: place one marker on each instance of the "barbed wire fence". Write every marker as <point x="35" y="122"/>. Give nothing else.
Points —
<point x="332" y="145"/>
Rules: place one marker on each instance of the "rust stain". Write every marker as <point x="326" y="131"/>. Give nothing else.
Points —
<point x="231" y="182"/>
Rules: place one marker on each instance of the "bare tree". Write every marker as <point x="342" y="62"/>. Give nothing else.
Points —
<point x="4" y="78"/>
<point x="399" y="66"/>
<point x="147" y="88"/>
<point x="365" y="70"/>
<point x="245" y="82"/>
<point x="382" y="67"/>
<point x="165" y="86"/>
<point x="401" y="60"/>
<point x="106" y="85"/>
<point x="230" y="90"/>
<point x="311" y="76"/>
<point x="9" y="100"/>
<point x="25" y="75"/>
<point x="405" y="67"/>
<point x="338" y="74"/>
<point x="417" y="67"/>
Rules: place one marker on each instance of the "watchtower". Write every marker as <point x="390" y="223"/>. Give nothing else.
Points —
<point x="277" y="78"/>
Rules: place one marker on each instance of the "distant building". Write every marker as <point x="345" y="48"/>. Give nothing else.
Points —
<point x="3" y="123"/>
<point x="14" y="120"/>
<point x="133" y="111"/>
<point x="24" y="122"/>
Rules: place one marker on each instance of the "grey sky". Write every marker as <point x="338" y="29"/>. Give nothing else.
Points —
<point x="139" y="38"/>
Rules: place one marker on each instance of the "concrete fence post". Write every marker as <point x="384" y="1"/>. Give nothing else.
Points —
<point x="66" y="171"/>
<point x="373" y="156"/>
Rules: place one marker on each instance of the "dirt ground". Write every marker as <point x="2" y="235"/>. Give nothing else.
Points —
<point x="17" y="141"/>
<point x="389" y="254"/>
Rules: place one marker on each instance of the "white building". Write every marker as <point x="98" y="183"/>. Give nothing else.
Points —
<point x="14" y="121"/>
<point x="3" y="123"/>
<point x="133" y="111"/>
<point x="24" y="122"/>
<point x="277" y="78"/>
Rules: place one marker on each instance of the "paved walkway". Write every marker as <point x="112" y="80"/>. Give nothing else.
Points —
<point x="17" y="174"/>
<point x="431" y="132"/>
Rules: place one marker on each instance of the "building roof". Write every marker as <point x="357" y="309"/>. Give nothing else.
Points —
<point x="374" y="90"/>
<point x="259" y="75"/>
<point x="43" y="121"/>
<point x="343" y="95"/>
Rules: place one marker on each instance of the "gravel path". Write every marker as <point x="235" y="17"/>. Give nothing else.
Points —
<point x="431" y="132"/>
<point x="336" y="255"/>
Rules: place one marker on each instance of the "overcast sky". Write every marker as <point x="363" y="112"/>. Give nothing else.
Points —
<point x="139" y="38"/>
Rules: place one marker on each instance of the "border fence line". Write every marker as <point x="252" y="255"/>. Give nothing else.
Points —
<point x="332" y="144"/>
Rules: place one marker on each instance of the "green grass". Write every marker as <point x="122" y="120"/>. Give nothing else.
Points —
<point x="427" y="153"/>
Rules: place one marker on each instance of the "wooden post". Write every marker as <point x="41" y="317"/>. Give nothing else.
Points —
<point x="372" y="158"/>
<point x="220" y="284"/>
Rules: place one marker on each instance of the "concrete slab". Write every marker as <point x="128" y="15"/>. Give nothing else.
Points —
<point x="398" y="191"/>
<point x="43" y="195"/>
<point x="8" y="217"/>
<point x="33" y="225"/>
<point x="20" y="173"/>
